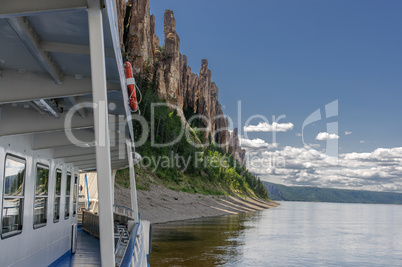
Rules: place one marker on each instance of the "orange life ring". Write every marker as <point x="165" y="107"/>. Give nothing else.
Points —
<point x="131" y="86"/>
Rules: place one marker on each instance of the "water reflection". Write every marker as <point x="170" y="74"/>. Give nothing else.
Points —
<point x="202" y="242"/>
<point x="293" y="234"/>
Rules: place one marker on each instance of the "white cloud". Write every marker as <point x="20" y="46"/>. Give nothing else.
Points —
<point x="298" y="134"/>
<point x="362" y="142"/>
<point x="255" y="143"/>
<point x="326" y="136"/>
<point x="347" y="133"/>
<point x="379" y="155"/>
<point x="379" y="170"/>
<point x="266" y="127"/>
<point x="252" y="143"/>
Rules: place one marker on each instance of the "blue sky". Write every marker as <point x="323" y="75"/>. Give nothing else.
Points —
<point x="294" y="57"/>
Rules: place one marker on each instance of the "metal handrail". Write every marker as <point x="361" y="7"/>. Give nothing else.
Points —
<point x="128" y="255"/>
<point x="90" y="223"/>
<point x="134" y="250"/>
<point x="122" y="210"/>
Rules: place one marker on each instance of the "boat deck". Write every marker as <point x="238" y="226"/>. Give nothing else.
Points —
<point x="87" y="253"/>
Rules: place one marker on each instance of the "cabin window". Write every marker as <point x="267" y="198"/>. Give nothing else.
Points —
<point x="75" y="195"/>
<point x="41" y="195"/>
<point x="68" y="189"/>
<point x="57" y="194"/>
<point x="13" y="196"/>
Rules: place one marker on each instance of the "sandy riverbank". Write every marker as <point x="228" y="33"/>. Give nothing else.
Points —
<point x="160" y="205"/>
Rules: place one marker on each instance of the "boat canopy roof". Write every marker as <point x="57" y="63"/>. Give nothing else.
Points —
<point x="46" y="80"/>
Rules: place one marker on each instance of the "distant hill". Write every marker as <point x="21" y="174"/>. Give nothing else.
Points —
<point x="315" y="194"/>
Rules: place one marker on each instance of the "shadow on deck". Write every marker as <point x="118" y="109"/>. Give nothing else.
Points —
<point x="87" y="253"/>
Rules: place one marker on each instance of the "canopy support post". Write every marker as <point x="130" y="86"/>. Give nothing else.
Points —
<point x="113" y="183"/>
<point x="103" y="158"/>
<point x="133" y="190"/>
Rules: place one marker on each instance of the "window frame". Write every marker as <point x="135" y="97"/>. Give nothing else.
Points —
<point x="3" y="196"/>
<point x="75" y="195"/>
<point x="43" y="166"/>
<point x="67" y="197"/>
<point x="58" y="170"/>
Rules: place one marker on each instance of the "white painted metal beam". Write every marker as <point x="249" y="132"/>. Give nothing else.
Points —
<point x="30" y="86"/>
<point x="19" y="121"/>
<point x="76" y="159"/>
<point x="93" y="163"/>
<point x="60" y="139"/>
<point x="70" y="49"/>
<point x="111" y="10"/>
<point x="103" y="158"/>
<point x="10" y="8"/>
<point x="65" y="48"/>
<point x="83" y="138"/>
<point x="16" y="121"/>
<point x="116" y="151"/>
<point x="114" y="171"/>
<point x="115" y="166"/>
<point x="32" y="42"/>
<point x="70" y="152"/>
<point x="133" y="187"/>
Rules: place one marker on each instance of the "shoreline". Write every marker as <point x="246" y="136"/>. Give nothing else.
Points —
<point x="161" y="205"/>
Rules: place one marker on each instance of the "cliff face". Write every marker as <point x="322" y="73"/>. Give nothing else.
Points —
<point x="234" y="146"/>
<point x="139" y="27"/>
<point x="176" y="82"/>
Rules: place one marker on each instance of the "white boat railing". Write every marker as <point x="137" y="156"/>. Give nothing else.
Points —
<point x="131" y="252"/>
<point x="137" y="247"/>
<point x="90" y="223"/>
<point x="125" y="211"/>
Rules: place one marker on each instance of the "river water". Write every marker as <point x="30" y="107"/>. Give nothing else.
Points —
<point x="293" y="234"/>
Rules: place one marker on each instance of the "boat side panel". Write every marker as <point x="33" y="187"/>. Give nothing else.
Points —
<point x="41" y="246"/>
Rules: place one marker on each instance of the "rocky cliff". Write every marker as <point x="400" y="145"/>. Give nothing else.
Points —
<point x="169" y="68"/>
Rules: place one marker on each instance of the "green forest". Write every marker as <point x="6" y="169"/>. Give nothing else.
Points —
<point x="316" y="194"/>
<point x="204" y="168"/>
